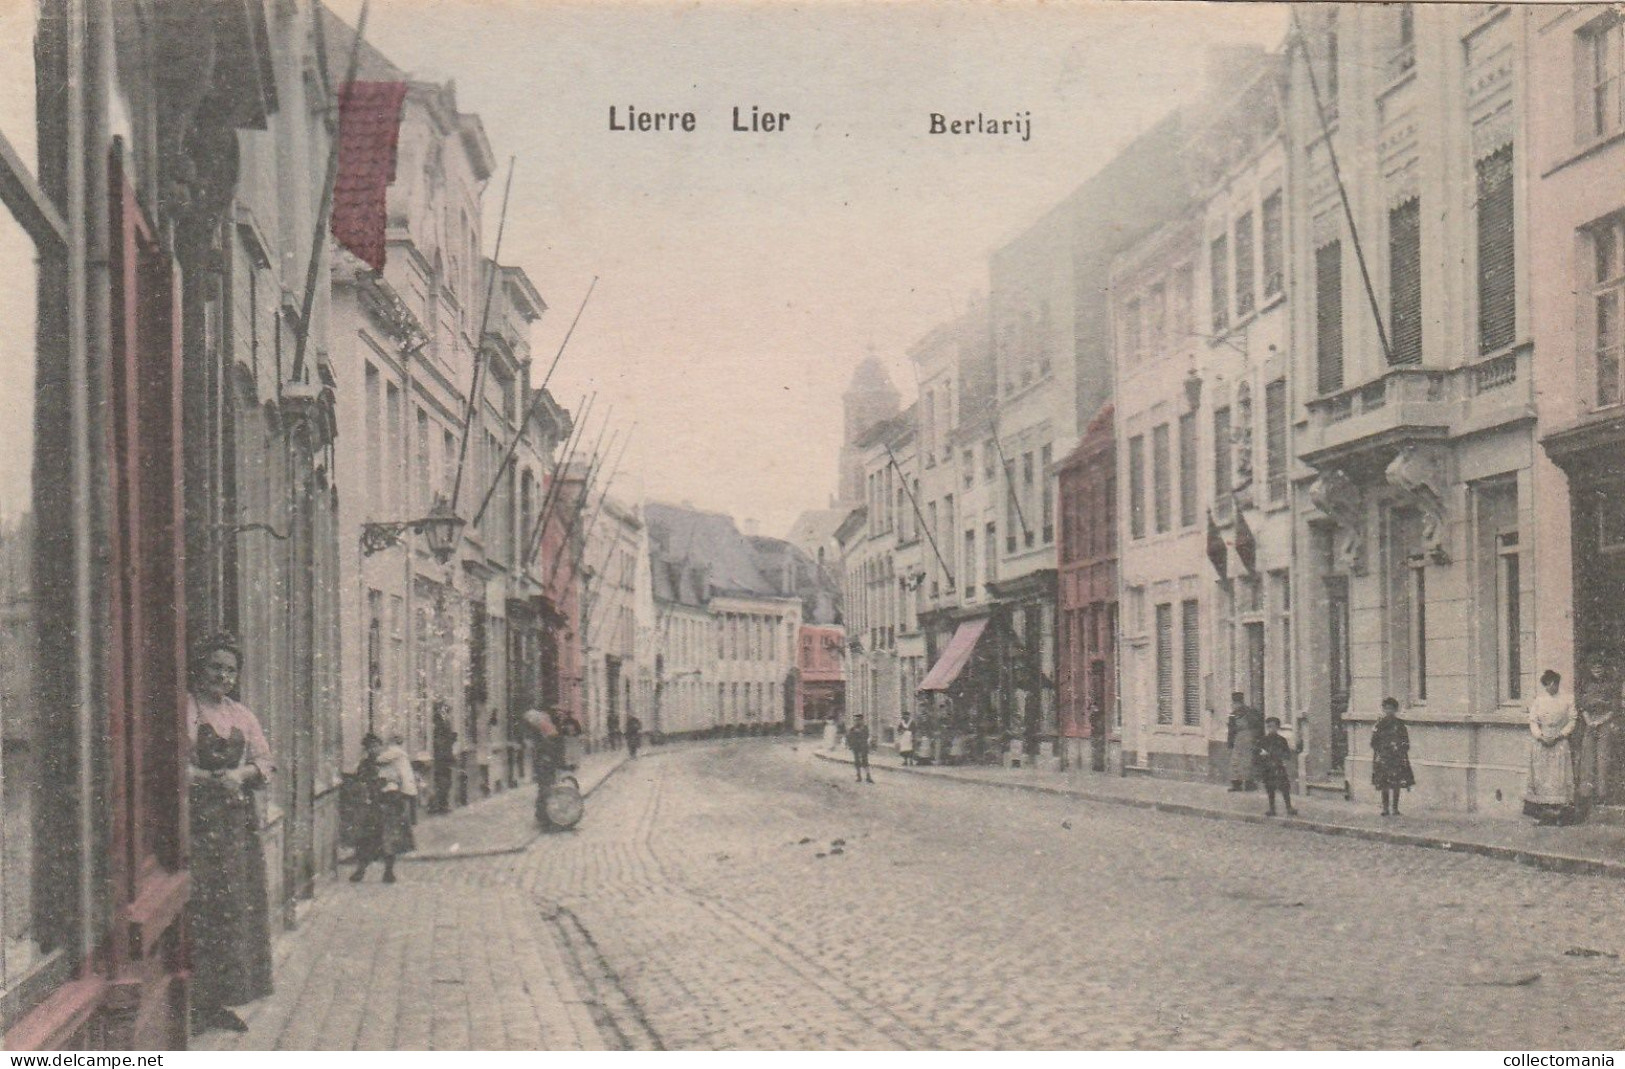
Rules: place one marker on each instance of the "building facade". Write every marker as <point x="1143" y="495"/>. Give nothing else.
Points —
<point x="1577" y="312"/>
<point x="1087" y="659"/>
<point x="1414" y="360"/>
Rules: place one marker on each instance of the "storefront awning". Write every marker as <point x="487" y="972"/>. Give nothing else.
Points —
<point x="955" y="656"/>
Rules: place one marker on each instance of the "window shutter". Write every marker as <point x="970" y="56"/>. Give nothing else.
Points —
<point x="1273" y="244"/>
<point x="1497" y="311"/>
<point x="1221" y="457"/>
<point x="1159" y="476"/>
<point x="1191" y="627"/>
<point x="1219" y="264"/>
<point x="1244" y="264"/>
<point x="1187" y="470"/>
<point x="1329" y="317"/>
<point x="1405" y="282"/>
<point x="1275" y="438"/>
<point x="1136" y="486"/>
<point x="1165" y="664"/>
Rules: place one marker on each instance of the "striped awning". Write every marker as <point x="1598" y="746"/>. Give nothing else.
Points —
<point x="955" y="656"/>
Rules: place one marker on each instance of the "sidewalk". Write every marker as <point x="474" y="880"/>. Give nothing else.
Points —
<point x="1597" y="850"/>
<point x="419" y="967"/>
<point x="504" y="823"/>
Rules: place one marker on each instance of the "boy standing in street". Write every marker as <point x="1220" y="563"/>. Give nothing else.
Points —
<point x="1273" y="754"/>
<point x="857" y="740"/>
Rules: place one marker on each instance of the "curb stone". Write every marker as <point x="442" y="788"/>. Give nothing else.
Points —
<point x="1548" y="861"/>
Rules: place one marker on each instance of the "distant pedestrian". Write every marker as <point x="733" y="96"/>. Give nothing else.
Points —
<point x="634" y="734"/>
<point x="1391" y="757"/>
<point x="1597" y="699"/>
<point x="1273" y="754"/>
<point x="386" y="828"/>
<point x="905" y="741"/>
<point x="1243" y="729"/>
<point x="614" y="725"/>
<point x="1549" y="797"/>
<point x="444" y="753"/>
<point x="857" y="740"/>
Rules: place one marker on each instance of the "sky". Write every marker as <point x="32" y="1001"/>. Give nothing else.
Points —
<point x="743" y="276"/>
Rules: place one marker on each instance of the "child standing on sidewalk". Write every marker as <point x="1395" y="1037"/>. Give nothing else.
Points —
<point x="1273" y="754"/>
<point x="857" y="740"/>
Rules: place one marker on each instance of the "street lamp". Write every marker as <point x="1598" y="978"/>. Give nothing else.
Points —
<point x="441" y="528"/>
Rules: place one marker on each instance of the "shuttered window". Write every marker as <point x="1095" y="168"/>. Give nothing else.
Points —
<point x="1222" y="484"/>
<point x="1161" y="490"/>
<point x="1608" y="307"/>
<point x="1273" y="236"/>
<point x="1219" y="265"/>
<point x="1136" y="486"/>
<point x="1190" y="624"/>
<point x="1244" y="265"/>
<point x="1497" y="311"/>
<point x="1275" y="439"/>
<point x="1165" y="664"/>
<point x="1187" y="469"/>
<point x="1329" y="317"/>
<point x="1405" y="282"/>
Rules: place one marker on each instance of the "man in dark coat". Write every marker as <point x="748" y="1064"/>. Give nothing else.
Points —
<point x="857" y="740"/>
<point x="634" y="734"/>
<point x="1274" y="754"/>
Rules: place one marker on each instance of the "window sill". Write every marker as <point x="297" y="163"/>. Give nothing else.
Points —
<point x="1586" y="150"/>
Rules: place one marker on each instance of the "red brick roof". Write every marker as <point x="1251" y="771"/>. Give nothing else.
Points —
<point x="369" y="127"/>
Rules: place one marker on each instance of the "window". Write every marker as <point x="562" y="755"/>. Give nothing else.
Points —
<point x="1191" y="670"/>
<point x="1331" y="64"/>
<point x="989" y="468"/>
<point x="375" y="442"/>
<point x="931" y="522"/>
<point x="393" y="458"/>
<point x="1274" y="239"/>
<point x="1510" y="615"/>
<point x="1607" y="297"/>
<point x="1419" y="629"/>
<point x="1136" y="486"/>
<point x="1497" y="258"/>
<point x="1244" y="264"/>
<point x="970" y="562"/>
<point x="948" y="527"/>
<point x="1165" y="664"/>
<point x="1047" y="493"/>
<point x="1187" y="469"/>
<point x="1043" y="338"/>
<point x="1184" y="294"/>
<point x="968" y="462"/>
<point x="930" y="414"/>
<point x="1275" y="440"/>
<point x="990" y="551"/>
<point x="1405" y="283"/>
<point x="1160" y="474"/>
<point x="1026" y="497"/>
<point x="1156" y="318"/>
<point x="1602" y="66"/>
<point x="1133" y="344"/>
<point x="1219" y="290"/>
<point x="1010" y="507"/>
<point x="1283" y="607"/>
<point x="1223" y="483"/>
<point x="1329" y="317"/>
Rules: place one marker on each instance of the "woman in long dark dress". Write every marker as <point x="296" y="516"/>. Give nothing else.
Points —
<point x="230" y="924"/>
<point x="1391" y="757"/>
<point x="386" y="825"/>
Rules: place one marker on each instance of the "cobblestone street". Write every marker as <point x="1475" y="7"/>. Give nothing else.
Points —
<point x="744" y="896"/>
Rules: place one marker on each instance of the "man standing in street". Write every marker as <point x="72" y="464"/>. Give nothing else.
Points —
<point x="634" y="734"/>
<point x="857" y="740"/>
